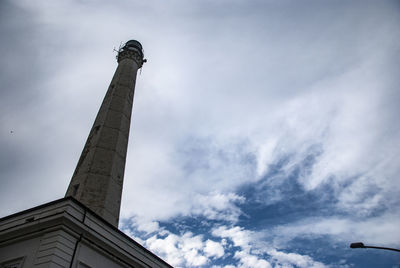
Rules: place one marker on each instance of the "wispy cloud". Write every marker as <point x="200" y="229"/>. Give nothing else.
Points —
<point x="381" y="230"/>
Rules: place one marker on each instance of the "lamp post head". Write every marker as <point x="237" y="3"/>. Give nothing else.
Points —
<point x="357" y="245"/>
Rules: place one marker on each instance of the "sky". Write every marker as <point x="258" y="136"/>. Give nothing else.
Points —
<point x="264" y="133"/>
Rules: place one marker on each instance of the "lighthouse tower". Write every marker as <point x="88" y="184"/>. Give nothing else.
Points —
<point x="81" y="229"/>
<point x="98" y="177"/>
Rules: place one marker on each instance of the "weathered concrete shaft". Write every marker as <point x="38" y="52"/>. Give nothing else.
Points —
<point x="98" y="177"/>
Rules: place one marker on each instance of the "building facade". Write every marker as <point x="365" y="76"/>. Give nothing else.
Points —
<point x="65" y="233"/>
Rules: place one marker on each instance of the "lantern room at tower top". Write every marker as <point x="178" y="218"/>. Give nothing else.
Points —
<point x="134" y="50"/>
<point x="133" y="45"/>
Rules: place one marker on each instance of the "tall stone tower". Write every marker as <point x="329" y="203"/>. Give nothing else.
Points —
<point x="81" y="229"/>
<point x="98" y="177"/>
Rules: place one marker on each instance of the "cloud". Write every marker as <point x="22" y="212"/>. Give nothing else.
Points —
<point x="187" y="250"/>
<point x="207" y="172"/>
<point x="167" y="248"/>
<point x="246" y="247"/>
<point x="347" y="148"/>
<point x="381" y="230"/>
<point x="294" y="260"/>
<point x="239" y="236"/>
<point x="217" y="206"/>
<point x="248" y="261"/>
<point x="211" y="206"/>
<point x="253" y="251"/>
<point x="142" y="224"/>
<point x="213" y="249"/>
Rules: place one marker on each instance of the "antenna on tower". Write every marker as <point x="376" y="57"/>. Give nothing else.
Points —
<point x="119" y="49"/>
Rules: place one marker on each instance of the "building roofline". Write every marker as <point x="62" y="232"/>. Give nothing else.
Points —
<point x="69" y="198"/>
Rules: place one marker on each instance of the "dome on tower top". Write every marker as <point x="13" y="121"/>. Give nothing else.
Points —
<point x="135" y="44"/>
<point x="133" y="49"/>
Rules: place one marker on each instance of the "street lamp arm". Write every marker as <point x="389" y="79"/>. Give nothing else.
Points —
<point x="361" y="245"/>
<point x="393" y="249"/>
